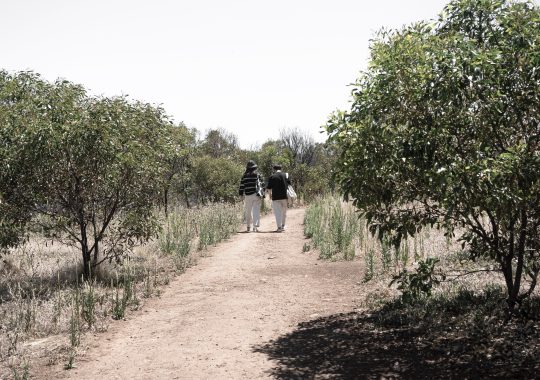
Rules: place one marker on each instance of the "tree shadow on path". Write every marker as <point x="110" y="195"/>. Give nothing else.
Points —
<point x="360" y="346"/>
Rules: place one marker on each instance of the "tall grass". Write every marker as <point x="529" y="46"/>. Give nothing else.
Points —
<point x="177" y="236"/>
<point x="339" y="233"/>
<point x="334" y="228"/>
<point x="43" y="296"/>
<point x="185" y="229"/>
<point x="217" y="223"/>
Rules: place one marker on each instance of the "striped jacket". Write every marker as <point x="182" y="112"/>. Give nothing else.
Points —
<point x="248" y="183"/>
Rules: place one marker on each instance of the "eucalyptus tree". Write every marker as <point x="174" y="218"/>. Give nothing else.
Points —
<point x="23" y="102"/>
<point x="216" y="168"/>
<point x="270" y="153"/>
<point x="300" y="145"/>
<point x="305" y="159"/>
<point x="219" y="143"/>
<point x="215" y="179"/>
<point x="89" y="166"/>
<point x="444" y="130"/>
<point x="177" y="161"/>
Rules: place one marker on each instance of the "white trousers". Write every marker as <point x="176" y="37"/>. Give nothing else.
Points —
<point x="252" y="209"/>
<point x="280" y="212"/>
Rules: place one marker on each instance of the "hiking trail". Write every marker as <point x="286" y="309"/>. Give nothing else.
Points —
<point x="210" y="322"/>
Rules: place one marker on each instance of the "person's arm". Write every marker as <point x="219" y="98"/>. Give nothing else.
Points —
<point x="269" y="187"/>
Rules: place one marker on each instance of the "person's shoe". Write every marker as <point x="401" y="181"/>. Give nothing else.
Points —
<point x="283" y="228"/>
<point x="255" y="229"/>
<point x="248" y="229"/>
<point x="279" y="229"/>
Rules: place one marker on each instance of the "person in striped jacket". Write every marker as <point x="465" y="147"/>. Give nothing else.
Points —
<point x="252" y="188"/>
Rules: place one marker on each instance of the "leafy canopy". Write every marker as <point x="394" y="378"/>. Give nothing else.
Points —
<point x="91" y="167"/>
<point x="444" y="130"/>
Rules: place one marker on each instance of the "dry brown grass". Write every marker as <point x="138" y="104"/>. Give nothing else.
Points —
<point x="37" y="297"/>
<point x="45" y="309"/>
<point x="325" y="225"/>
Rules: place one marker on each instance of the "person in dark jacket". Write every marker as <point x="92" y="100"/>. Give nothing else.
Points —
<point x="252" y="188"/>
<point x="278" y="183"/>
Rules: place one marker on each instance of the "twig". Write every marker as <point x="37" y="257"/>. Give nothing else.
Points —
<point x="468" y="273"/>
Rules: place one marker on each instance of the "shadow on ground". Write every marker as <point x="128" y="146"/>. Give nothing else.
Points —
<point x="364" y="346"/>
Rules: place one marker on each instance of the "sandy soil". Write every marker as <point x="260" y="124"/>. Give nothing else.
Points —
<point x="209" y="321"/>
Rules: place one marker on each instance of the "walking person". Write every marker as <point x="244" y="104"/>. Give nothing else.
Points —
<point x="252" y="188"/>
<point x="278" y="183"/>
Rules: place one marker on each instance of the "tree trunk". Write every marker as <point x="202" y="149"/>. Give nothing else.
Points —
<point x="186" y="197"/>
<point x="513" y="292"/>
<point x="85" y="253"/>
<point x="96" y="253"/>
<point x="166" y="201"/>
<point x="506" y="267"/>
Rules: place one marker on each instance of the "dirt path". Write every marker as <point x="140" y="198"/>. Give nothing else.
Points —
<point x="209" y="321"/>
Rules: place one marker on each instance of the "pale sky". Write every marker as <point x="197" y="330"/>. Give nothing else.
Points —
<point x="247" y="66"/>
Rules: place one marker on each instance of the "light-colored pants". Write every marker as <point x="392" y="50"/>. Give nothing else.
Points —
<point x="280" y="212"/>
<point x="252" y="209"/>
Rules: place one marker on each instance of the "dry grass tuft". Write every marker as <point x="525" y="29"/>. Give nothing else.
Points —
<point x="45" y="310"/>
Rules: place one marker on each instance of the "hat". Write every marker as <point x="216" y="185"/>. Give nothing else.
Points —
<point x="251" y="165"/>
<point x="277" y="166"/>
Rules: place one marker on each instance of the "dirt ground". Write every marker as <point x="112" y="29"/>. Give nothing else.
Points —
<point x="214" y="321"/>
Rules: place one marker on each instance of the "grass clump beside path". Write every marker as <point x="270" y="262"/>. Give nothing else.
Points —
<point x="334" y="228"/>
<point x="186" y="228"/>
<point x="42" y="297"/>
<point x="459" y="327"/>
<point x="339" y="232"/>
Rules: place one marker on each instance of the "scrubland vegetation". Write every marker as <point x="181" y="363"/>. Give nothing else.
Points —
<point x="443" y="132"/>
<point x="427" y="288"/>
<point x="43" y="294"/>
<point x="339" y="232"/>
<point x="442" y="142"/>
<point x="437" y="164"/>
<point x="103" y="199"/>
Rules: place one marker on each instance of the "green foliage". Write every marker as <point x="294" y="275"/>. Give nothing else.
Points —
<point x="176" y="158"/>
<point x="370" y="265"/>
<point x="124" y="293"/>
<point x="88" y="303"/>
<point x="74" y="323"/>
<point x="308" y="163"/>
<point x="419" y="283"/>
<point x="215" y="167"/>
<point x="90" y="165"/>
<point x="218" y="143"/>
<point x="270" y="153"/>
<point x="215" y="179"/>
<point x="89" y="171"/>
<point x="443" y="131"/>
